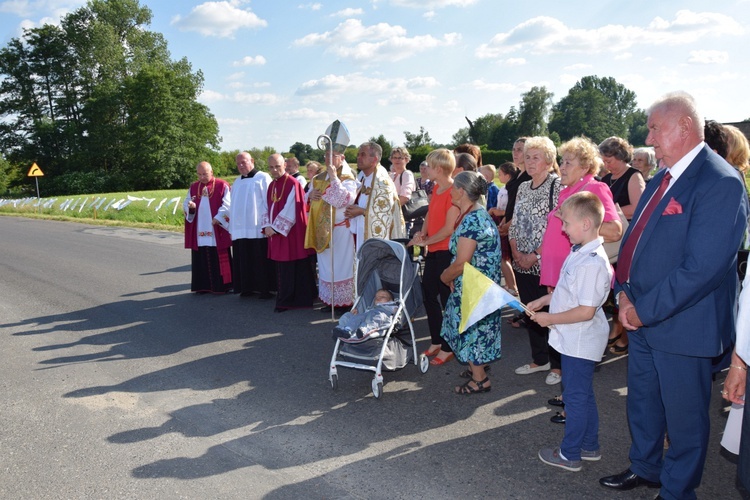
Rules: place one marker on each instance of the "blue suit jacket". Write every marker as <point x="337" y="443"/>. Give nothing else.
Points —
<point x="683" y="277"/>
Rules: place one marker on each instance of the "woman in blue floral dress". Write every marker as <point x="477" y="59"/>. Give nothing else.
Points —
<point x="476" y="241"/>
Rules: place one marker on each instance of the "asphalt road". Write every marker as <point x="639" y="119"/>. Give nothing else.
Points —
<point x="118" y="382"/>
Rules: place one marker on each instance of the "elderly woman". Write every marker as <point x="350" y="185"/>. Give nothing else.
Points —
<point x="475" y="241"/>
<point x="535" y="200"/>
<point x="644" y="160"/>
<point x="402" y="178"/>
<point x="580" y="161"/>
<point x="627" y="185"/>
<point x="625" y="182"/>
<point x="435" y="234"/>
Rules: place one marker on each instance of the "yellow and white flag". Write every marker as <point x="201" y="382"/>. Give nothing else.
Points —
<point x="481" y="296"/>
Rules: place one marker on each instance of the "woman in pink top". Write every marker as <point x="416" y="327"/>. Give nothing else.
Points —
<point x="580" y="162"/>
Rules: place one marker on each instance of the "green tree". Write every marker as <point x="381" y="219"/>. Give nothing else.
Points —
<point x="482" y="129"/>
<point x="533" y="112"/>
<point x="638" y="130"/>
<point x="98" y="101"/>
<point x="168" y="131"/>
<point x="414" y="141"/>
<point x="303" y="152"/>
<point x="506" y="134"/>
<point x="462" y="136"/>
<point x="595" y="107"/>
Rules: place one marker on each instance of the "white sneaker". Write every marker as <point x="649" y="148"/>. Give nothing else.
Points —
<point x="528" y="369"/>
<point x="553" y="378"/>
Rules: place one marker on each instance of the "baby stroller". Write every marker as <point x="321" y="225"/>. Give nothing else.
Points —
<point x="383" y="264"/>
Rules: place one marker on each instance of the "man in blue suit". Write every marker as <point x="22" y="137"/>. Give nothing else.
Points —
<point x="677" y="289"/>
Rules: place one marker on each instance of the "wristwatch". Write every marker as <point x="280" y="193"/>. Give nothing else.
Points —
<point x="538" y="257"/>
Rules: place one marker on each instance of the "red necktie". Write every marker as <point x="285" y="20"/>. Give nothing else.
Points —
<point x="625" y="258"/>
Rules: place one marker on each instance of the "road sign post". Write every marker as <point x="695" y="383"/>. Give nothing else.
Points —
<point x="36" y="173"/>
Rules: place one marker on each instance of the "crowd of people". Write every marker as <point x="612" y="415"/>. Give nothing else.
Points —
<point x="653" y="233"/>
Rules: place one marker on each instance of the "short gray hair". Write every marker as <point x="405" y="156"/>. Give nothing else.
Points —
<point x="649" y="153"/>
<point x="683" y="103"/>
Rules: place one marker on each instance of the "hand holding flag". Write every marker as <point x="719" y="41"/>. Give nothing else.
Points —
<point x="481" y="296"/>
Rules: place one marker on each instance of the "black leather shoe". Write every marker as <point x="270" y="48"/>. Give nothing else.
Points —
<point x="556" y="401"/>
<point x="557" y="418"/>
<point x="627" y="480"/>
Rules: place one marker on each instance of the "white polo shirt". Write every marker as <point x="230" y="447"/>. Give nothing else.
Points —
<point x="585" y="280"/>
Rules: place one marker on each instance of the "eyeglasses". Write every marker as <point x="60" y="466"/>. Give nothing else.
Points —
<point x="397" y="158"/>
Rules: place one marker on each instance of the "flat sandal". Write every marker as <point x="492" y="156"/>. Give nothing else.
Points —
<point x="468" y="390"/>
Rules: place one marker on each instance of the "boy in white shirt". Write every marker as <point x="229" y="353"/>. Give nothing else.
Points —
<point x="578" y="328"/>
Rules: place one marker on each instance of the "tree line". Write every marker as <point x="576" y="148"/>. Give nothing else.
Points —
<point x="100" y="103"/>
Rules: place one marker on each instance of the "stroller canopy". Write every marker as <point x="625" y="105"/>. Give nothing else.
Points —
<point x="389" y="259"/>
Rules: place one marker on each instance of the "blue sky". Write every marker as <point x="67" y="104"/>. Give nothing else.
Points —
<point x="278" y="72"/>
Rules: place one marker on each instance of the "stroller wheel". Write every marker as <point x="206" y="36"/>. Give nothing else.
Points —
<point x="377" y="388"/>
<point x="424" y="363"/>
<point x="335" y="382"/>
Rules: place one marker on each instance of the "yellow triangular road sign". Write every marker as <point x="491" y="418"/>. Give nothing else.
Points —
<point x="35" y="171"/>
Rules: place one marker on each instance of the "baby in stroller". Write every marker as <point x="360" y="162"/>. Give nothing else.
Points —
<point x="357" y="327"/>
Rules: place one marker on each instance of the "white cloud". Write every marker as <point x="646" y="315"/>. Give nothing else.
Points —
<point x="430" y="14"/>
<point x="515" y="61"/>
<point x="236" y="76"/>
<point x="221" y="19"/>
<point x="547" y="35"/>
<point x="211" y="96"/>
<point x="423" y="82"/>
<point x="708" y="57"/>
<point x="387" y="91"/>
<point x="259" y="85"/>
<point x="250" y="61"/>
<point x="432" y="4"/>
<point x="311" y="6"/>
<point x="255" y="98"/>
<point x="567" y="79"/>
<point x="623" y="56"/>
<point x="380" y="42"/>
<point x="349" y="12"/>
<point x="579" y="66"/>
<point x="55" y="9"/>
<point x="305" y="114"/>
<point x="480" y="84"/>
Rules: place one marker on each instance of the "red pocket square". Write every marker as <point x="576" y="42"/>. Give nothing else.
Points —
<point x="673" y="208"/>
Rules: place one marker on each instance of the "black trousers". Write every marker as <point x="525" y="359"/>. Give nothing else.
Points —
<point x="435" y="294"/>
<point x="253" y="271"/>
<point x="541" y="353"/>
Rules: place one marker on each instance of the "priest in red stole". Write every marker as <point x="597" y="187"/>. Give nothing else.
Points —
<point x="206" y="210"/>
<point x="284" y="225"/>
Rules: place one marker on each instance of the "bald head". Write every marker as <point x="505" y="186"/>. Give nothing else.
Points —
<point x="205" y="172"/>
